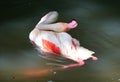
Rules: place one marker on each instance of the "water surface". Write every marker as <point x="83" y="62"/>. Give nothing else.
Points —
<point x="98" y="30"/>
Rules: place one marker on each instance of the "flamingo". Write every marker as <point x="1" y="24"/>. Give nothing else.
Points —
<point x="52" y="38"/>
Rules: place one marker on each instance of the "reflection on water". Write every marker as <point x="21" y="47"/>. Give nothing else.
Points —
<point x="99" y="30"/>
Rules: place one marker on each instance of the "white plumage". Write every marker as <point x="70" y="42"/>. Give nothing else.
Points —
<point x="52" y="38"/>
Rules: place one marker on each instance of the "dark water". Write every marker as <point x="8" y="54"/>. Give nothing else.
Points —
<point x="98" y="30"/>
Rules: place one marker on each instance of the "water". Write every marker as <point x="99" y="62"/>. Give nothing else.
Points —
<point x="98" y="30"/>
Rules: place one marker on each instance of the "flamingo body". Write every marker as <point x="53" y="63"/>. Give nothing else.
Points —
<point x="52" y="38"/>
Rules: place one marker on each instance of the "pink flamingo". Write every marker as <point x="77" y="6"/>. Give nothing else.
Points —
<point x="51" y="38"/>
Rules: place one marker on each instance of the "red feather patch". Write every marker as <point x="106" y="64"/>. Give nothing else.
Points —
<point x="51" y="47"/>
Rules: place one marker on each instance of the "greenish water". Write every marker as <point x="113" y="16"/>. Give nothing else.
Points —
<point x="98" y="30"/>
